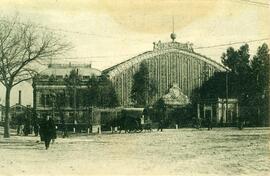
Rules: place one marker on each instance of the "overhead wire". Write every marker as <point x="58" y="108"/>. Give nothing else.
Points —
<point x="132" y="54"/>
<point x="109" y="56"/>
<point x="253" y="3"/>
<point x="232" y="43"/>
<point x="256" y="3"/>
<point x="79" y="33"/>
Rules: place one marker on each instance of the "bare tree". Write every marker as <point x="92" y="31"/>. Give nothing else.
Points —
<point x="21" y="45"/>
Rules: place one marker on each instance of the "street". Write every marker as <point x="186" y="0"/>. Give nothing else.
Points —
<point x="222" y="151"/>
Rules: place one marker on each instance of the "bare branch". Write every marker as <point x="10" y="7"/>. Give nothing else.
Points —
<point x="2" y="82"/>
<point x="20" y="81"/>
<point x="21" y="45"/>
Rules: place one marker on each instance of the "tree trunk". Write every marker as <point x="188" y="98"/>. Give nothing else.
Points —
<point x="7" y="107"/>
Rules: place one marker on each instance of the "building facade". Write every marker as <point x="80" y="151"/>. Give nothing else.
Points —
<point x="52" y="81"/>
<point x="168" y="63"/>
<point x="220" y="111"/>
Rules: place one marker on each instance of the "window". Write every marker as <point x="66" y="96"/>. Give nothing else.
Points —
<point x="44" y="76"/>
<point x="59" y="76"/>
<point x="45" y="100"/>
<point x="71" y="101"/>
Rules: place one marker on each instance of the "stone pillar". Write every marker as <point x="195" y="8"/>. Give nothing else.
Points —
<point x="142" y="119"/>
<point x="204" y="111"/>
<point x="217" y="112"/>
<point x="198" y="111"/>
<point x="223" y="112"/>
<point x="237" y="110"/>
<point x="37" y="98"/>
<point x="211" y="112"/>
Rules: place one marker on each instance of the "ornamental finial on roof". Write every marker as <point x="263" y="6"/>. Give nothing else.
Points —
<point x="173" y="35"/>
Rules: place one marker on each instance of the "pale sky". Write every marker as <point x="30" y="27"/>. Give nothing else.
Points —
<point x="107" y="32"/>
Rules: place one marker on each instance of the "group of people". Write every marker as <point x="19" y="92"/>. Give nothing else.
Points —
<point x="45" y="128"/>
<point x="23" y="125"/>
<point x="197" y="123"/>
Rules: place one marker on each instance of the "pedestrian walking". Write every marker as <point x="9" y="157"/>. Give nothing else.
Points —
<point x="20" y="121"/>
<point x="27" y="127"/>
<point x="241" y="123"/>
<point x="198" y="122"/>
<point x="47" y="131"/>
<point x="209" y="122"/>
<point x="160" y="125"/>
<point x="35" y="124"/>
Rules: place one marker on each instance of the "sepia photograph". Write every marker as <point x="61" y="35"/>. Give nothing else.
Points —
<point x="124" y="87"/>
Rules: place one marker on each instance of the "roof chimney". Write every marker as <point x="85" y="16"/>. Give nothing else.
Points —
<point x="20" y="97"/>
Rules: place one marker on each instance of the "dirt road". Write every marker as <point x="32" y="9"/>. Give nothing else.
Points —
<point x="223" y="151"/>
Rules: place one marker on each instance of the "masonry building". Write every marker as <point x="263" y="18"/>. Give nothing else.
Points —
<point x="52" y="81"/>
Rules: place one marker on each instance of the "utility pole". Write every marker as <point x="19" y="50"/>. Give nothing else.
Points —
<point x="53" y="104"/>
<point x="74" y="97"/>
<point x="227" y="92"/>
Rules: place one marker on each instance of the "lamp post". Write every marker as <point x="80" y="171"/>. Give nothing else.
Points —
<point x="75" y="82"/>
<point x="264" y="106"/>
<point x="74" y="102"/>
<point x="53" y="95"/>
